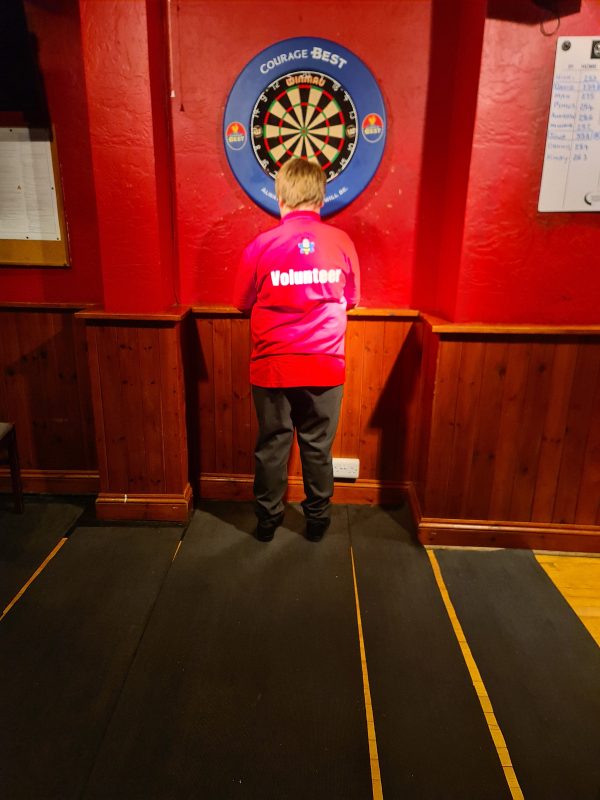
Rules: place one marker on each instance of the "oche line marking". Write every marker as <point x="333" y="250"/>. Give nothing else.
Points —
<point x="179" y="543"/>
<point x="374" y="758"/>
<point x="488" y="711"/>
<point x="42" y="566"/>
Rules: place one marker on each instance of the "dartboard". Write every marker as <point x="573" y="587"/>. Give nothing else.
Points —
<point x="305" y="98"/>
<point x="304" y="115"/>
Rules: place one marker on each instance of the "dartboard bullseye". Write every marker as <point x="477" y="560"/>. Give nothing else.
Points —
<point x="305" y="98"/>
<point x="304" y="115"/>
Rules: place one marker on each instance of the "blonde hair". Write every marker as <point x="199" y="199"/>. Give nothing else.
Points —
<point x="300" y="182"/>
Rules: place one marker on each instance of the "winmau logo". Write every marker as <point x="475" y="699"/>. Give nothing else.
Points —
<point x="303" y="277"/>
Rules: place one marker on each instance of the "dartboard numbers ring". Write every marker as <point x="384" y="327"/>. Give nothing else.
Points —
<point x="305" y="98"/>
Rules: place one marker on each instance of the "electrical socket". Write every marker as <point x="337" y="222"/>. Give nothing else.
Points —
<point x="346" y="468"/>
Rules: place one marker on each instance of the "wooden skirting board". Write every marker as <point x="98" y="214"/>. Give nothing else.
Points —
<point x="431" y="531"/>
<point x="159" y="507"/>
<point x="53" y="481"/>
<point x="466" y="533"/>
<point x="501" y="533"/>
<point x="239" y="487"/>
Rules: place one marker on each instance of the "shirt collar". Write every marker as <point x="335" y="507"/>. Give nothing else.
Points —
<point x="302" y="214"/>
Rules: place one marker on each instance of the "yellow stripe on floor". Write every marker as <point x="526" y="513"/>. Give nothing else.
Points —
<point x="375" y="773"/>
<point x="578" y="579"/>
<point x="42" y="566"/>
<point x="482" y="694"/>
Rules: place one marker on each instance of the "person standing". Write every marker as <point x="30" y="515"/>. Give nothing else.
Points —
<point x="297" y="280"/>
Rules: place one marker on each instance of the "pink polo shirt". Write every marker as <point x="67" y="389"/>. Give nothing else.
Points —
<point x="298" y="279"/>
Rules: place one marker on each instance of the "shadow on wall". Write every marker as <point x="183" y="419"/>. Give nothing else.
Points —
<point x="397" y="411"/>
<point x="532" y="12"/>
<point x="24" y="92"/>
<point x="457" y="33"/>
<point x="195" y="371"/>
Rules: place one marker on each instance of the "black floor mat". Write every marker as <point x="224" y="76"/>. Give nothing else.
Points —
<point x="247" y="683"/>
<point x="234" y="671"/>
<point x="27" y="539"/>
<point x="432" y="737"/>
<point x="65" y="649"/>
<point x="539" y="664"/>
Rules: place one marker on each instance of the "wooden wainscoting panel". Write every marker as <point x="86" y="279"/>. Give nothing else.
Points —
<point x="84" y="393"/>
<point x="347" y="441"/>
<point x="45" y="391"/>
<point x="223" y="394"/>
<point x="370" y="426"/>
<point x="513" y="404"/>
<point x="391" y="406"/>
<point x="205" y="395"/>
<point x="409" y="385"/>
<point x="515" y="431"/>
<point x="583" y="411"/>
<point x="555" y="426"/>
<point x="477" y="491"/>
<point x="111" y="425"/>
<point x="136" y="369"/>
<point x="382" y="400"/>
<point x="588" y="499"/>
<point x="173" y="436"/>
<point x="138" y="441"/>
<point x="95" y="369"/>
<point x="150" y="394"/>
<point x="424" y="416"/>
<point x="468" y="391"/>
<point x="529" y="431"/>
<point x="244" y="426"/>
<point x="442" y="428"/>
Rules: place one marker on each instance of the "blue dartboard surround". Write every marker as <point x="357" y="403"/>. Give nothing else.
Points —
<point x="312" y="55"/>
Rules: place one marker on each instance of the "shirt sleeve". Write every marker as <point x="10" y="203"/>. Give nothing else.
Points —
<point x="352" y="287"/>
<point x="244" y="291"/>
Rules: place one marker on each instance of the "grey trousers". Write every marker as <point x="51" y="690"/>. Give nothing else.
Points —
<point x="314" y="413"/>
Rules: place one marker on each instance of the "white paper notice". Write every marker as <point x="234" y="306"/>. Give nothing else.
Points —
<point x="571" y="176"/>
<point x="28" y="206"/>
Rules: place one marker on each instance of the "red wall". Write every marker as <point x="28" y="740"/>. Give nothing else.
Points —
<point x="507" y="264"/>
<point x="213" y="42"/>
<point x="519" y="265"/>
<point x="453" y="79"/>
<point x="124" y="60"/>
<point x="57" y="31"/>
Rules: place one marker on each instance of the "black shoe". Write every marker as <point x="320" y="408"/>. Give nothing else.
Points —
<point x="315" y="528"/>
<point x="265" y="530"/>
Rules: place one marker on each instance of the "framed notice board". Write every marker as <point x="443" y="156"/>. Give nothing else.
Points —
<point x="32" y="222"/>
<point x="571" y="174"/>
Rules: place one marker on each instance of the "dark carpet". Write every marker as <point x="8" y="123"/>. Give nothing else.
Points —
<point x="432" y="737"/>
<point x="247" y="683"/>
<point x="27" y="539"/>
<point x="234" y="670"/>
<point x="65" y="649"/>
<point x="539" y="664"/>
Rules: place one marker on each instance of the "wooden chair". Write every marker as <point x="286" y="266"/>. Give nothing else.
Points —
<point x="8" y="440"/>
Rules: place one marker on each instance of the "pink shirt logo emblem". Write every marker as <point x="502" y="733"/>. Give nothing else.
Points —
<point x="306" y="247"/>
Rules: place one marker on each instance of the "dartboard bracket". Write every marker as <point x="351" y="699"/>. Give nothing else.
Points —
<point x="311" y="98"/>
